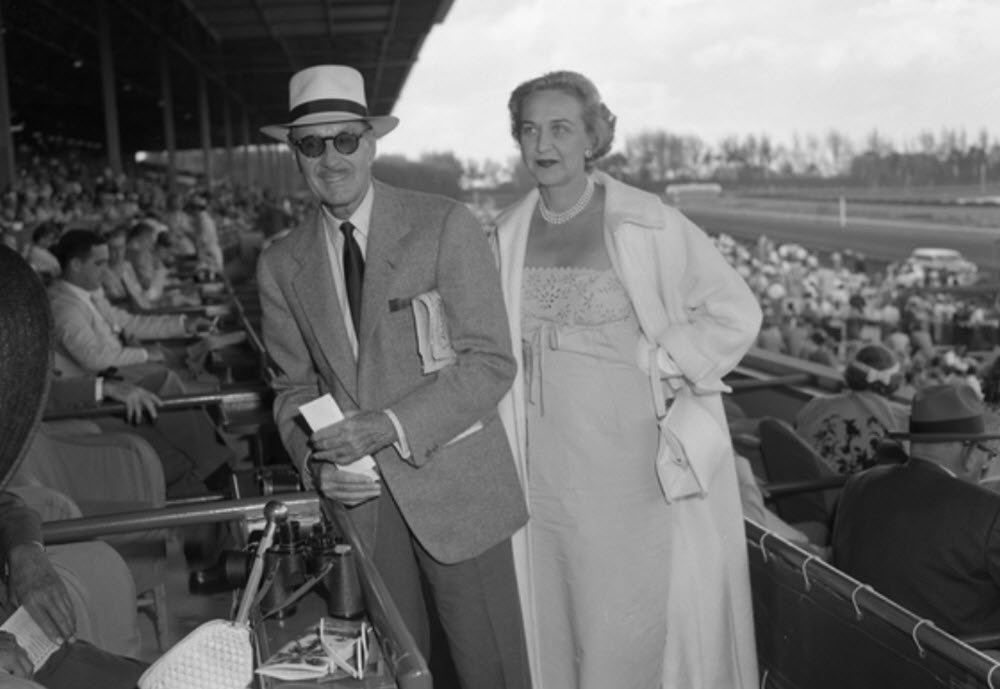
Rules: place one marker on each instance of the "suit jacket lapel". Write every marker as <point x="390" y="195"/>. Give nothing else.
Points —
<point x="318" y="296"/>
<point x="388" y="226"/>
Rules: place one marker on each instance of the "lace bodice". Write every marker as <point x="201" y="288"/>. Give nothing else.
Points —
<point x="574" y="296"/>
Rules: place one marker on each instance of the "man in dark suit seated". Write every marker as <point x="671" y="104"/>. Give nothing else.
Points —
<point x="193" y="454"/>
<point x="924" y="533"/>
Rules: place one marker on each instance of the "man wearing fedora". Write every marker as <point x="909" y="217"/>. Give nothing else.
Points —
<point x="924" y="533"/>
<point x="337" y="295"/>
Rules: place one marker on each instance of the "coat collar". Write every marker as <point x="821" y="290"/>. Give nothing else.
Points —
<point x="627" y="205"/>
<point x="315" y="289"/>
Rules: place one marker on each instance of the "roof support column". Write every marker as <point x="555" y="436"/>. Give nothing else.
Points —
<point x="7" y="154"/>
<point x="205" y="126"/>
<point x="111" y="135"/>
<point x="246" y="146"/>
<point x="167" y="104"/>
<point x="227" y="135"/>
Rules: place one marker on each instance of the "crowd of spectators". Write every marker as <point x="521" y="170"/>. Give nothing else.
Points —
<point x="54" y="193"/>
<point x="825" y="310"/>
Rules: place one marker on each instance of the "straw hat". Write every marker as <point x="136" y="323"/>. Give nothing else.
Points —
<point x="25" y="357"/>
<point x="326" y="94"/>
<point x="945" y="414"/>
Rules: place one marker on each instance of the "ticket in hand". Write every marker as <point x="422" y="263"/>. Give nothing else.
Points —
<point x="324" y="411"/>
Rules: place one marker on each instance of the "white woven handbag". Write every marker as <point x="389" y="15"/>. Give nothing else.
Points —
<point x="219" y="653"/>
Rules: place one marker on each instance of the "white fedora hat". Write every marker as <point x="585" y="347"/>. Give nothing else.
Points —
<point x="325" y="94"/>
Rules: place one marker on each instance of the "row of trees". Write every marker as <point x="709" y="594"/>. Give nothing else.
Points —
<point x="652" y="159"/>
<point x="950" y="157"/>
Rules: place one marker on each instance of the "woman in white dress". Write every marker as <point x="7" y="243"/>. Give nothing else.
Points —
<point x="633" y="568"/>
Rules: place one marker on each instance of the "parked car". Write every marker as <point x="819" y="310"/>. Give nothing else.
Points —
<point x="949" y="264"/>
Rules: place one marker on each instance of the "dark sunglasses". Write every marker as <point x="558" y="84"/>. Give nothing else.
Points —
<point x="313" y="146"/>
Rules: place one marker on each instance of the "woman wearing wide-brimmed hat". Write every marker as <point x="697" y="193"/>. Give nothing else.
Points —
<point x="25" y="368"/>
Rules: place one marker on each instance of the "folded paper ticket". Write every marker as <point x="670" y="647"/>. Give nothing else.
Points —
<point x="324" y="411"/>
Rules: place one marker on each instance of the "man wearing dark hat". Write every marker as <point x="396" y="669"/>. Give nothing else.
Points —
<point x="924" y="533"/>
<point x="338" y="296"/>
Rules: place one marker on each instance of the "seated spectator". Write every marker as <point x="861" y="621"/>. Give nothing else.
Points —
<point x="180" y="227"/>
<point x="33" y="582"/>
<point x="91" y="334"/>
<point x="38" y="254"/>
<point x="195" y="458"/>
<point x="923" y="533"/>
<point x="206" y="235"/>
<point x="989" y="384"/>
<point x="770" y="336"/>
<point x="121" y="284"/>
<point x="846" y="428"/>
<point x="140" y="251"/>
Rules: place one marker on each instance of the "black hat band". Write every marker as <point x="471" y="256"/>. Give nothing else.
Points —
<point x="971" y="424"/>
<point x="328" y="105"/>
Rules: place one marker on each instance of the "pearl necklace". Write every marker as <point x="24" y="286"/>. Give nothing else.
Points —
<point x="571" y="212"/>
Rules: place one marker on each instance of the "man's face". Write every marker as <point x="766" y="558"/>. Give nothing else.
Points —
<point x="339" y="180"/>
<point x="88" y="273"/>
<point x="116" y="250"/>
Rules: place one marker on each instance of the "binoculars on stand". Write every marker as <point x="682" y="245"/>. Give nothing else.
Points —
<point x="319" y="561"/>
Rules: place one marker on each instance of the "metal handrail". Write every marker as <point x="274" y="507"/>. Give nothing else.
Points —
<point x="409" y="668"/>
<point x="88" y="528"/>
<point x="248" y="396"/>
<point x="744" y="384"/>
<point x="783" y="489"/>
<point x="817" y="572"/>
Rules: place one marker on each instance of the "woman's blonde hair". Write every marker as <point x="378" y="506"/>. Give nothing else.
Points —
<point x="597" y="118"/>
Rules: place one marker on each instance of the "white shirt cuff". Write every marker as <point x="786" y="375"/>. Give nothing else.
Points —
<point x="401" y="445"/>
<point x="98" y="389"/>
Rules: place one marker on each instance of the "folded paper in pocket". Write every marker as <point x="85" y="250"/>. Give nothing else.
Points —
<point x="692" y="445"/>
<point x="433" y="341"/>
<point x="324" y="411"/>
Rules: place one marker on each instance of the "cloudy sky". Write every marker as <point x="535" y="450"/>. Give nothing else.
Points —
<point x="710" y="68"/>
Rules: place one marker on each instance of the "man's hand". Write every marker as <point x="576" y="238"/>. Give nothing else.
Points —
<point x="13" y="658"/>
<point x="361" y="433"/>
<point x="343" y="486"/>
<point x="197" y="324"/>
<point x="137" y="401"/>
<point x="35" y="584"/>
<point x="155" y="355"/>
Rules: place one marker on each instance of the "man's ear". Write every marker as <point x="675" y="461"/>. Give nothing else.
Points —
<point x="970" y="460"/>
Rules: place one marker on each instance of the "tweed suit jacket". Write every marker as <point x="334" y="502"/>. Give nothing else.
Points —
<point x="458" y="495"/>
<point x="925" y="539"/>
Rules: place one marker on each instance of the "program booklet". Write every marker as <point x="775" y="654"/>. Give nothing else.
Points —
<point x="433" y="341"/>
<point x="36" y="643"/>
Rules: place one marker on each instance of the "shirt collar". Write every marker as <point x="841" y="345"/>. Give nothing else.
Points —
<point x="79" y="291"/>
<point x="361" y="218"/>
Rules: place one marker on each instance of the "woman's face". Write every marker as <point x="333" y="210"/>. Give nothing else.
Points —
<point x="553" y="137"/>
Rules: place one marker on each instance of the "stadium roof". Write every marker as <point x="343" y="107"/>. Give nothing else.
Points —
<point x="247" y="49"/>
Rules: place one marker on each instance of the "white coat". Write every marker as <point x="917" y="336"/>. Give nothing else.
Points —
<point x="698" y="318"/>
